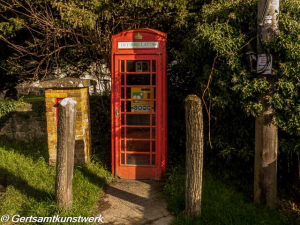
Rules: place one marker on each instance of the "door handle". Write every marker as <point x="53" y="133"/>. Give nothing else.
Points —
<point x="117" y="112"/>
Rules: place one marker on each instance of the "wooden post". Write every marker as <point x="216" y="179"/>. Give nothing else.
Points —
<point x="65" y="152"/>
<point x="266" y="136"/>
<point x="194" y="155"/>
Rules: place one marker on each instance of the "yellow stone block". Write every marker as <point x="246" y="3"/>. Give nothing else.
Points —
<point x="49" y="100"/>
<point x="79" y="127"/>
<point x="52" y="137"/>
<point x="50" y="104"/>
<point x="51" y="124"/>
<point x="52" y="151"/>
<point x="79" y="132"/>
<point x="51" y="119"/>
<point x="50" y="114"/>
<point x="79" y="123"/>
<point x="50" y="109"/>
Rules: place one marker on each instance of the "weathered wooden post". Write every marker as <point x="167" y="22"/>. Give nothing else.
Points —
<point x="194" y="155"/>
<point x="266" y="132"/>
<point x="65" y="152"/>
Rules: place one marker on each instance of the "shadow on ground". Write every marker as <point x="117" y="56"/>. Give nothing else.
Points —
<point x="7" y="178"/>
<point x="134" y="202"/>
<point x="25" y="148"/>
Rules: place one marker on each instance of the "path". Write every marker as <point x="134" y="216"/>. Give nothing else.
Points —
<point x="134" y="202"/>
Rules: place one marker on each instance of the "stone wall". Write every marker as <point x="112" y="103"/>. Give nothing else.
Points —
<point x="25" y="124"/>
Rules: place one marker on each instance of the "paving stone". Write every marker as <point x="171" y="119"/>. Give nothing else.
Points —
<point x="131" y="202"/>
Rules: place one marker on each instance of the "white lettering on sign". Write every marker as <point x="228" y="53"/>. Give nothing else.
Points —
<point x="153" y="44"/>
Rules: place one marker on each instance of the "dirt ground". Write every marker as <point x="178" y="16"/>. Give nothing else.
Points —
<point x="134" y="202"/>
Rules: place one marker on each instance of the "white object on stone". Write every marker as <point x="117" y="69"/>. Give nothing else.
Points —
<point x="65" y="101"/>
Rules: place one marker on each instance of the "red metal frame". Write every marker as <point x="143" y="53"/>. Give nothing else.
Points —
<point x="159" y="54"/>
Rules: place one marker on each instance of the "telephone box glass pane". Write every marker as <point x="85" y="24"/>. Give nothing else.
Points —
<point x="122" y="119"/>
<point x="122" y="132"/>
<point x="122" y="106"/>
<point x="134" y="119"/>
<point x="122" y="146"/>
<point x="122" y="93"/>
<point x="153" y="160"/>
<point x="122" y="158"/>
<point x="138" y="65"/>
<point x="128" y="106"/>
<point x="153" y="65"/>
<point x="138" y="159"/>
<point x="153" y="133"/>
<point x="138" y="133"/>
<point x="138" y="79"/>
<point x="153" y="146"/>
<point x="122" y="65"/>
<point x="153" y="120"/>
<point x="122" y="79"/>
<point x="154" y="106"/>
<point x="138" y="146"/>
<point x="154" y="79"/>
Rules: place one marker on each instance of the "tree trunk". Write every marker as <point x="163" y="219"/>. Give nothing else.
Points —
<point x="194" y="155"/>
<point x="65" y="152"/>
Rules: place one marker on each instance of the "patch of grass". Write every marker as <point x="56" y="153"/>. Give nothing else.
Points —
<point x="221" y="204"/>
<point x="30" y="182"/>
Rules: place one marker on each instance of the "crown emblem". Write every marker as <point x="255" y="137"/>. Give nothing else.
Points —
<point x="138" y="36"/>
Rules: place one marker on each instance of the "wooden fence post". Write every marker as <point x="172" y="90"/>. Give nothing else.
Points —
<point x="194" y="155"/>
<point x="266" y="132"/>
<point x="65" y="152"/>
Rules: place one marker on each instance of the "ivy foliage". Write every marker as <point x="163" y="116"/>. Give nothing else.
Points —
<point x="223" y="28"/>
<point x="286" y="100"/>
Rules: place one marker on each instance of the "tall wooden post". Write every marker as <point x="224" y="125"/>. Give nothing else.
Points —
<point x="194" y="155"/>
<point x="266" y="136"/>
<point x="65" y="152"/>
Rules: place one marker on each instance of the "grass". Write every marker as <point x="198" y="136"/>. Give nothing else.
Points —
<point x="221" y="204"/>
<point x="30" y="182"/>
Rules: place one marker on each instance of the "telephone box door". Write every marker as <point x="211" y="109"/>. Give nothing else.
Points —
<point x="138" y="116"/>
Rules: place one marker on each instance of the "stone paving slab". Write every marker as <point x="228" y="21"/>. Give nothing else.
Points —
<point x="134" y="202"/>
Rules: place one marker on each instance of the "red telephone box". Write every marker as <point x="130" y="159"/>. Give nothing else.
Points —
<point x="139" y="104"/>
